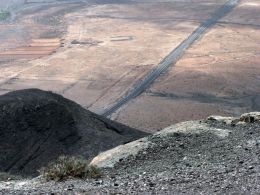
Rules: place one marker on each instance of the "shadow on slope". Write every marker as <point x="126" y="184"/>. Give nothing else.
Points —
<point x="38" y="126"/>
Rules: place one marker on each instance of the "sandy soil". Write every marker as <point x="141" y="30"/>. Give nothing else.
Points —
<point x="95" y="52"/>
<point x="217" y="75"/>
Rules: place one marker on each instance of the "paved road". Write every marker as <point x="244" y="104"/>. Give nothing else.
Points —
<point x="173" y="57"/>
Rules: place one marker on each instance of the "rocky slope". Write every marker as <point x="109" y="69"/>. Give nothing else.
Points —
<point x="220" y="155"/>
<point x="38" y="126"/>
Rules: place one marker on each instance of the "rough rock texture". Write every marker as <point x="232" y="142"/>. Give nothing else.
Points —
<point x="111" y="157"/>
<point x="37" y="127"/>
<point x="250" y="117"/>
<point x="195" y="157"/>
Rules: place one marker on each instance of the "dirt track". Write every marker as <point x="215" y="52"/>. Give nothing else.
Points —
<point x="103" y="49"/>
<point x="218" y="74"/>
<point x="173" y="57"/>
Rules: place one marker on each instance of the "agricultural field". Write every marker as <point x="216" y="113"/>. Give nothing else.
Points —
<point x="98" y="52"/>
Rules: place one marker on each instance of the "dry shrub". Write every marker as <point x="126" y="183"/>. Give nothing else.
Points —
<point x="7" y="176"/>
<point x="69" y="167"/>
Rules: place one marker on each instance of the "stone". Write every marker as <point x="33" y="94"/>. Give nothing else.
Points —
<point x="250" y="117"/>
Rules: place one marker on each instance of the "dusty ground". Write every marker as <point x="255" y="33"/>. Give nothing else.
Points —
<point x="217" y="75"/>
<point x="101" y="49"/>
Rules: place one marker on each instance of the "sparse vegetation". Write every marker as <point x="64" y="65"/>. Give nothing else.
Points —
<point x="4" y="15"/>
<point x="7" y="176"/>
<point x="69" y="167"/>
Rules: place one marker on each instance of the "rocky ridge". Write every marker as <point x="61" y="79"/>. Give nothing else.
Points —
<point x="219" y="155"/>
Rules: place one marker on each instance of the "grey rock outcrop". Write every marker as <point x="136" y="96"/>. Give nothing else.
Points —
<point x="111" y="157"/>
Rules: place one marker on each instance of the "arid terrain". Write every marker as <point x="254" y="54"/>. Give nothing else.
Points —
<point x="219" y="155"/>
<point x="97" y="52"/>
<point x="69" y="66"/>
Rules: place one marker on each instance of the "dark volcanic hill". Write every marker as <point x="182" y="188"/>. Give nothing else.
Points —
<point x="38" y="126"/>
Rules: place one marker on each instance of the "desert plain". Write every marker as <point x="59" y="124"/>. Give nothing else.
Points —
<point x="96" y="52"/>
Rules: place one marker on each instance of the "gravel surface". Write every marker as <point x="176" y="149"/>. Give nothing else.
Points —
<point x="195" y="161"/>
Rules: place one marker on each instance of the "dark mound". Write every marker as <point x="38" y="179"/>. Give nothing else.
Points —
<point x="38" y="126"/>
